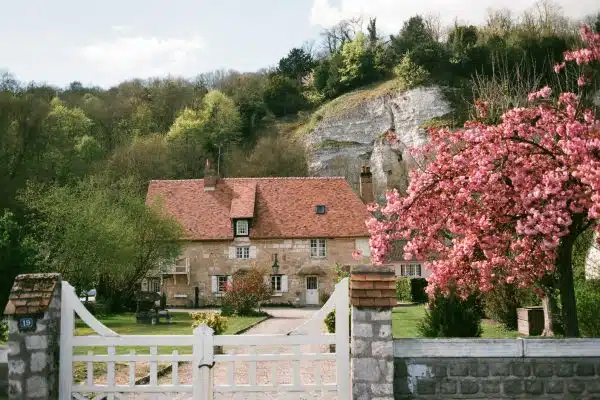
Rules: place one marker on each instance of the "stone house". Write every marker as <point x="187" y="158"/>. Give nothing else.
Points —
<point x="306" y="224"/>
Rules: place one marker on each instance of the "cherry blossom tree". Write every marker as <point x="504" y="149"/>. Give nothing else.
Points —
<point x="503" y="202"/>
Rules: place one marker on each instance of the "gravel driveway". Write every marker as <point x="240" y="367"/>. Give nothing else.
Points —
<point x="283" y="321"/>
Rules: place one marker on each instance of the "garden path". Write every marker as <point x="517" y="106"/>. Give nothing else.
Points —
<point x="283" y="321"/>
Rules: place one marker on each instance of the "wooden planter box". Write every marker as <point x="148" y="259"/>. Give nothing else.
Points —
<point x="530" y="321"/>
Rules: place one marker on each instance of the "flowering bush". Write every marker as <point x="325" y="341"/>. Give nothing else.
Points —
<point x="217" y="322"/>
<point x="504" y="202"/>
<point x="246" y="291"/>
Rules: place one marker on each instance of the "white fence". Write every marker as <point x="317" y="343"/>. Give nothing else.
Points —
<point x="201" y="357"/>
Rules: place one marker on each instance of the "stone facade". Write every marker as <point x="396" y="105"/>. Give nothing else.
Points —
<point x="499" y="369"/>
<point x="209" y="258"/>
<point x="371" y="332"/>
<point x="33" y="355"/>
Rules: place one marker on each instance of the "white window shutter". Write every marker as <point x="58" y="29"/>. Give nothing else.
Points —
<point x="215" y="284"/>
<point x="267" y="279"/>
<point x="229" y="279"/>
<point x="284" y="283"/>
<point x="231" y="252"/>
<point x="252" y="251"/>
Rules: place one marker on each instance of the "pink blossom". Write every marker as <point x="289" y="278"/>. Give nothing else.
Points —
<point x="581" y="81"/>
<point x="356" y="254"/>
<point x="494" y="202"/>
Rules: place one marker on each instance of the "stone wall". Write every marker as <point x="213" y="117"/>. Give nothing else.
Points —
<point x="500" y="369"/>
<point x="218" y="258"/>
<point x="3" y="372"/>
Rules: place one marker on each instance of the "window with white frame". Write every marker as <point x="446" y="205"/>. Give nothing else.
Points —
<point x="242" y="252"/>
<point x="318" y="248"/>
<point x="220" y="283"/>
<point x="154" y="285"/>
<point x="410" y="270"/>
<point x="241" y="227"/>
<point x="276" y="283"/>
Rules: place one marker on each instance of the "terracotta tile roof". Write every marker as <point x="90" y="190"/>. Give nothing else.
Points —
<point x="283" y="207"/>
<point x="244" y="196"/>
<point x="31" y="294"/>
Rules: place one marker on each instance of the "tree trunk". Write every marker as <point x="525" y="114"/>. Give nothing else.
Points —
<point x="548" y="315"/>
<point x="567" y="290"/>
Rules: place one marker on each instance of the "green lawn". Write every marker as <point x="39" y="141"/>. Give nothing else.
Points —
<point x="406" y="319"/>
<point x="181" y="324"/>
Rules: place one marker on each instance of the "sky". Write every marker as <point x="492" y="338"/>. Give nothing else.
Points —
<point x="105" y="42"/>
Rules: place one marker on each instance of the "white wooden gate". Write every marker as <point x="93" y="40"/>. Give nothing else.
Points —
<point x="203" y="385"/>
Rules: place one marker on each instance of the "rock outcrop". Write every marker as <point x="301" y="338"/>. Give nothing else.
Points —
<point x="340" y="144"/>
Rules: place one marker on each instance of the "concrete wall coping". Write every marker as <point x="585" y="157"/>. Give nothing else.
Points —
<point x="425" y="348"/>
<point x="3" y="354"/>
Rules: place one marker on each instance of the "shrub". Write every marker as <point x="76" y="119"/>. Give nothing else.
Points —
<point x="330" y="322"/>
<point x="410" y="74"/>
<point x="502" y="302"/>
<point x="163" y="300"/>
<point x="417" y="290"/>
<point x="96" y="308"/>
<point x="588" y="301"/>
<point x="3" y="331"/>
<point x="450" y="316"/>
<point x="217" y="322"/>
<point x="246" y="291"/>
<point x="403" y="292"/>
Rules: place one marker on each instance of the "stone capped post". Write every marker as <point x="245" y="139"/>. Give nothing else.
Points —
<point x="372" y="296"/>
<point x="33" y="312"/>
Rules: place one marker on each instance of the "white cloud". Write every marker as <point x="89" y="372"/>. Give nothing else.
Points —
<point x="121" y="28"/>
<point x="392" y="13"/>
<point x="126" y="57"/>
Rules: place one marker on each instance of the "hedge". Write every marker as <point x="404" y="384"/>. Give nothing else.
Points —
<point x="411" y="289"/>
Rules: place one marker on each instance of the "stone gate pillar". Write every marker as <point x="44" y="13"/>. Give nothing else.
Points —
<point x="33" y="312"/>
<point x="372" y="296"/>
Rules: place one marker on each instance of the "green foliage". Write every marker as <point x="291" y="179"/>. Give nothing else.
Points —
<point x="297" y="64"/>
<point x="216" y="322"/>
<point x="403" y="292"/>
<point x="450" y="316"/>
<point x="410" y="74"/>
<point x="330" y="322"/>
<point x="3" y="331"/>
<point x="588" y="301"/>
<point x="246" y="291"/>
<point x="216" y="124"/>
<point x="581" y="248"/>
<point x="17" y="253"/>
<point x="502" y="302"/>
<point x="99" y="236"/>
<point x="417" y="290"/>
<point x="272" y="156"/>
<point x="283" y="95"/>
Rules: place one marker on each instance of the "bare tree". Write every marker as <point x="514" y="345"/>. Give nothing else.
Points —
<point x="499" y="22"/>
<point x="433" y="25"/>
<point x="347" y="29"/>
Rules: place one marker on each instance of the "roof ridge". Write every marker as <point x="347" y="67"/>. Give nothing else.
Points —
<point x="256" y="179"/>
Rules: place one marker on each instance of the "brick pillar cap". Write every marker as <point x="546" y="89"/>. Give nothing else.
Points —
<point x="372" y="269"/>
<point x="31" y="293"/>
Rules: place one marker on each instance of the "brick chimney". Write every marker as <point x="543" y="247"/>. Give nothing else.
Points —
<point x="210" y="177"/>
<point x="366" y="185"/>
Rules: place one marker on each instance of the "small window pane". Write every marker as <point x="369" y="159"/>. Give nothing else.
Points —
<point x="242" y="252"/>
<point x="222" y="280"/>
<point x="317" y="248"/>
<point x="241" y="227"/>
<point x="276" y="283"/>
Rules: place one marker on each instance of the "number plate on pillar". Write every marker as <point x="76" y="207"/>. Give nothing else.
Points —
<point x="27" y="324"/>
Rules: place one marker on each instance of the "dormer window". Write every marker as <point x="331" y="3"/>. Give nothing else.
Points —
<point x="241" y="227"/>
<point x="320" y="209"/>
